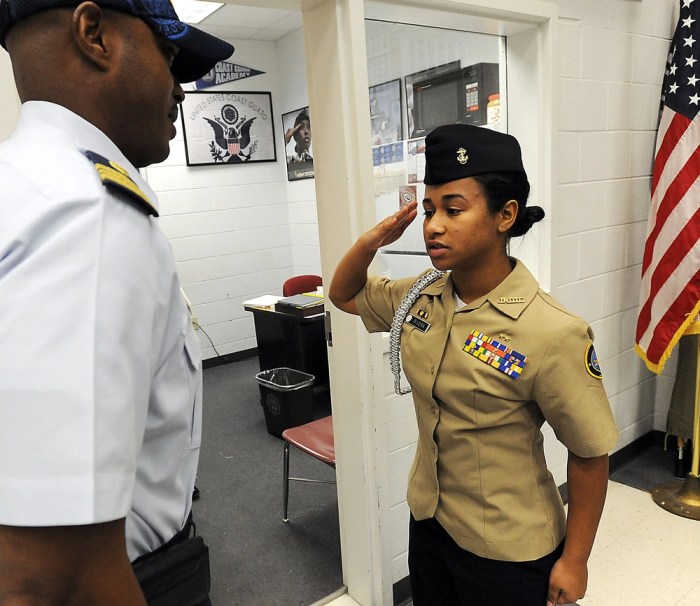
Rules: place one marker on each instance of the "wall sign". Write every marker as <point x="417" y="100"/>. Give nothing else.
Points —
<point x="224" y="72"/>
<point x="385" y="112"/>
<point x="296" y="126"/>
<point x="227" y="127"/>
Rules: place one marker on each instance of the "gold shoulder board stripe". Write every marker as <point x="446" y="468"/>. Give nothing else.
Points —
<point x="114" y="176"/>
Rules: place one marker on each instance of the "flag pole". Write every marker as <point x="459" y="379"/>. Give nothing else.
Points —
<point x="684" y="499"/>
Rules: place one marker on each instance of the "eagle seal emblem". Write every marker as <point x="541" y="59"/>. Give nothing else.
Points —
<point x="231" y="136"/>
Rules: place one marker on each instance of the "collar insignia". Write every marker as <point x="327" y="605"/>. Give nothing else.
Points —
<point x="115" y="177"/>
<point x="495" y="354"/>
<point x="462" y="155"/>
<point x="511" y="299"/>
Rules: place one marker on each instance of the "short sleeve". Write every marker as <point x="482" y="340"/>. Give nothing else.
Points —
<point x="74" y="364"/>
<point x="569" y="391"/>
<point x="377" y="301"/>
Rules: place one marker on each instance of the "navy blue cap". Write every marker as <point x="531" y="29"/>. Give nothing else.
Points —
<point x="456" y="151"/>
<point x="198" y="51"/>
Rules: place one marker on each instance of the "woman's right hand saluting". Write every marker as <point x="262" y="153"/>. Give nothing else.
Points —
<point x="390" y="229"/>
<point x="351" y="274"/>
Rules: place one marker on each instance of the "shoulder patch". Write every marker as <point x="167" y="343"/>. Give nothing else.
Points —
<point x="115" y="177"/>
<point x="592" y="365"/>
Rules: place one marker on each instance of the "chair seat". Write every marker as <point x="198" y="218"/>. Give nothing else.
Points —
<point x="315" y="438"/>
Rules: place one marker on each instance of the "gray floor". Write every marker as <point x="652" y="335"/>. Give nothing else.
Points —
<point x="652" y="467"/>
<point x="256" y="559"/>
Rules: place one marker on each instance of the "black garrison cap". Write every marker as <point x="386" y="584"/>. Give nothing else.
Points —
<point x="456" y="151"/>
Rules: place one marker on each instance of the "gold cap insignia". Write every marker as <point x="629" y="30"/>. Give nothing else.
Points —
<point x="462" y="155"/>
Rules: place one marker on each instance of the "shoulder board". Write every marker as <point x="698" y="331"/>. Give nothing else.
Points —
<point x="115" y="177"/>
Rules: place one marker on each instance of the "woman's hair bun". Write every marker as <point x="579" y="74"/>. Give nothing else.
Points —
<point x="529" y="216"/>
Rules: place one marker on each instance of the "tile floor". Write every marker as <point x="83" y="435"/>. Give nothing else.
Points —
<point x="643" y="555"/>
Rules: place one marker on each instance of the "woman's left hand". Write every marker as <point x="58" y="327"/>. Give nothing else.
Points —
<point x="567" y="582"/>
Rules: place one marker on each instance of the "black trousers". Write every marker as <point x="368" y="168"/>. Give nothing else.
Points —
<point x="444" y="574"/>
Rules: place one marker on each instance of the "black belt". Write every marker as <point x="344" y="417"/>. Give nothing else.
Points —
<point x="177" y="573"/>
<point x="180" y="536"/>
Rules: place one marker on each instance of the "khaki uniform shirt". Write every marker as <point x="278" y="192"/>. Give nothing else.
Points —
<point x="480" y="468"/>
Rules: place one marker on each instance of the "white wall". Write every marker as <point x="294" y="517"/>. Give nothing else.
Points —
<point x="611" y="64"/>
<point x="303" y="221"/>
<point x="239" y="231"/>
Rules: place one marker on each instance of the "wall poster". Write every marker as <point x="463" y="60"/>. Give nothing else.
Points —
<point x="416" y="160"/>
<point x="385" y="112"/>
<point x="296" y="126"/>
<point x="225" y="127"/>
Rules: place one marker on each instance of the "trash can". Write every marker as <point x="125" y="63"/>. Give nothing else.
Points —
<point x="286" y="396"/>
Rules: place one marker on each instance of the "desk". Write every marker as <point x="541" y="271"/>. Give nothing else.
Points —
<point x="285" y="340"/>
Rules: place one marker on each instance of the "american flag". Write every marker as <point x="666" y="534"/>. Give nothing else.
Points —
<point x="670" y="291"/>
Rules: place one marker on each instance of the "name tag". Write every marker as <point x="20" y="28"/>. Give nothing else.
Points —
<point x="421" y="325"/>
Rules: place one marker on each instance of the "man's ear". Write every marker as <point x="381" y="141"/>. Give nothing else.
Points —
<point x="88" y="30"/>
<point x="509" y="214"/>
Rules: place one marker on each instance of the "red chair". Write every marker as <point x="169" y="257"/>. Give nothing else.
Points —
<point x="315" y="439"/>
<point x="301" y="284"/>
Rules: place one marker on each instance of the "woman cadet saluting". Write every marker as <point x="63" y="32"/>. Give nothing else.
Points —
<point x="490" y="357"/>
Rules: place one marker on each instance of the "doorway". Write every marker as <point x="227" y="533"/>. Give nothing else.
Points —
<point x="372" y="469"/>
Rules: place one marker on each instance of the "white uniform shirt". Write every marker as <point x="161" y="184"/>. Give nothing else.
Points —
<point x="100" y="372"/>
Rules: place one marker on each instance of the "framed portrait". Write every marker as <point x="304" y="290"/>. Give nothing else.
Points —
<point x="228" y="127"/>
<point x="385" y="112"/>
<point x="296" y="127"/>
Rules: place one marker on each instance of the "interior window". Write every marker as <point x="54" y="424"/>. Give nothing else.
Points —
<point x="422" y="77"/>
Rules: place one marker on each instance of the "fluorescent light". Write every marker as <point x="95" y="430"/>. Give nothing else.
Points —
<point x="194" y="11"/>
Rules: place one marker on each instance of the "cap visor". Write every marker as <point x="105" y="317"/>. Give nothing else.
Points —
<point x="198" y="53"/>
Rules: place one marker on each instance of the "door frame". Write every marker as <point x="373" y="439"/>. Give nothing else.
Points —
<point x="336" y="65"/>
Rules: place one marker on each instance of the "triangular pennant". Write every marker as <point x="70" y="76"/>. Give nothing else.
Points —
<point x="224" y="72"/>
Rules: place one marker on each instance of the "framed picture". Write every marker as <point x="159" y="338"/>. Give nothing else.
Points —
<point x="228" y="127"/>
<point x="296" y="126"/>
<point x="385" y="112"/>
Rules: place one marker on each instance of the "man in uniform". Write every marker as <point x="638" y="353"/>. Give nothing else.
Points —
<point x="100" y="374"/>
